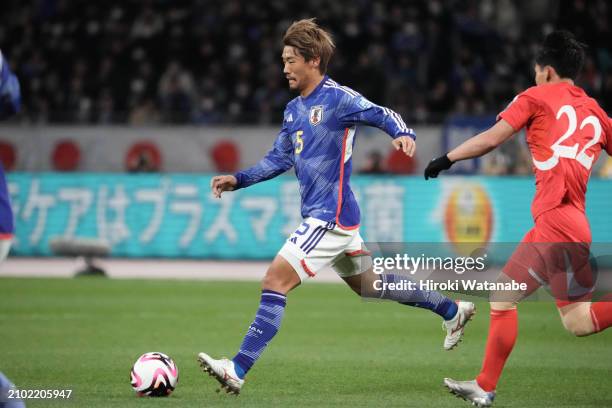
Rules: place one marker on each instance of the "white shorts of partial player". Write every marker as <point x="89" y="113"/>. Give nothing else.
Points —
<point x="317" y="244"/>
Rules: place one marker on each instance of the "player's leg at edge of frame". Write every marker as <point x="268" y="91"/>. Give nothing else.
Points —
<point x="579" y="318"/>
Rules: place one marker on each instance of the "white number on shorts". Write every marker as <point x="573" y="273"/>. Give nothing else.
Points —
<point x="571" y="152"/>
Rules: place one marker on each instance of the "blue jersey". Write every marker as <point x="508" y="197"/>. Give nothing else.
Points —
<point x="10" y="95"/>
<point x="317" y="139"/>
<point x="10" y="98"/>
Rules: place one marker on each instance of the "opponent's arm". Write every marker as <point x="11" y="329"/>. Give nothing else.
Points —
<point x="277" y="161"/>
<point x="608" y="138"/>
<point x="474" y="147"/>
<point x="10" y="94"/>
<point x="358" y="110"/>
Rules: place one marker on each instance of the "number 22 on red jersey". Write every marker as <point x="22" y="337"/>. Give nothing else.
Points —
<point x="571" y="133"/>
<point x="571" y="151"/>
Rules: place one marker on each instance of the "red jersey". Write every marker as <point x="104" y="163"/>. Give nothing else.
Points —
<point x="566" y="132"/>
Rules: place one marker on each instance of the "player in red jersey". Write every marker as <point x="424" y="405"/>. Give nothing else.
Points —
<point x="566" y="132"/>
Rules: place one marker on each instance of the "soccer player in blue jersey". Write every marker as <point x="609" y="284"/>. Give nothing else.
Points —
<point x="317" y="140"/>
<point x="10" y="99"/>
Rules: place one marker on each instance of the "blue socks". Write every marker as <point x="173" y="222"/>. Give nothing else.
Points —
<point x="272" y="308"/>
<point x="261" y="331"/>
<point x="432" y="300"/>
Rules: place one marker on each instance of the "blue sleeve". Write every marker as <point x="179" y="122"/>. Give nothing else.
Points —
<point x="277" y="161"/>
<point x="357" y="110"/>
<point x="10" y="94"/>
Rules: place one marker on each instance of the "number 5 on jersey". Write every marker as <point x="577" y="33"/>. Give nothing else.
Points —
<point x="571" y="152"/>
<point x="299" y="142"/>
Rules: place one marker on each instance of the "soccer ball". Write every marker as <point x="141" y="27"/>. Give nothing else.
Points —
<point x="154" y="375"/>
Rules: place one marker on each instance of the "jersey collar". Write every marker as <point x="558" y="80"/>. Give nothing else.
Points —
<point x="316" y="90"/>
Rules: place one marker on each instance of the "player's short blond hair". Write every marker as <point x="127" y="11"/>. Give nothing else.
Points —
<point x="311" y="41"/>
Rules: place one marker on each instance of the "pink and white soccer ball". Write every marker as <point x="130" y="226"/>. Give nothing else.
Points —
<point x="154" y="374"/>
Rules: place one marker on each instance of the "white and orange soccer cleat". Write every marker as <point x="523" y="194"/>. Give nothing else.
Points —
<point x="470" y="391"/>
<point x="223" y="371"/>
<point x="456" y="326"/>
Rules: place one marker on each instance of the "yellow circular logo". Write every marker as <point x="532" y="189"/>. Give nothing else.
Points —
<point x="468" y="217"/>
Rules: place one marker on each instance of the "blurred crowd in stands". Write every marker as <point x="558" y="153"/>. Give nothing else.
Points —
<point x="149" y="62"/>
<point x="218" y="61"/>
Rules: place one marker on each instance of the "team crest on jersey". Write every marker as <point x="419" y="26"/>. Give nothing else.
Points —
<point x="316" y="114"/>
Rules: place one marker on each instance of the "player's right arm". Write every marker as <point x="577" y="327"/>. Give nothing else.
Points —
<point x="10" y="94"/>
<point x="476" y="146"/>
<point x="510" y="121"/>
<point x="482" y="143"/>
<point x="278" y="160"/>
<point x="609" y="137"/>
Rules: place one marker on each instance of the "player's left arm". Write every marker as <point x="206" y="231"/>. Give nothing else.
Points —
<point x="476" y="146"/>
<point x="355" y="109"/>
<point x="10" y="93"/>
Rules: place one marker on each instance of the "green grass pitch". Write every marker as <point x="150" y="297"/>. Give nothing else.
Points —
<point x="332" y="350"/>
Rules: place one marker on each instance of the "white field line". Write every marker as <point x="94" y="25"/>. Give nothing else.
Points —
<point x="178" y="269"/>
<point x="149" y="269"/>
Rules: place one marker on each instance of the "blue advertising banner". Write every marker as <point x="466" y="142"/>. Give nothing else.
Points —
<point x="175" y="215"/>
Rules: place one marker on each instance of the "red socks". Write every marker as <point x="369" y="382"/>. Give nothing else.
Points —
<point x="601" y="313"/>
<point x="503" y="330"/>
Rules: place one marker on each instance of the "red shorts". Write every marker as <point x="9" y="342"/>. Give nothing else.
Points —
<point x="555" y="254"/>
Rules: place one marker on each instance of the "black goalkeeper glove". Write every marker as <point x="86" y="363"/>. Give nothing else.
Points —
<point x="436" y="165"/>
